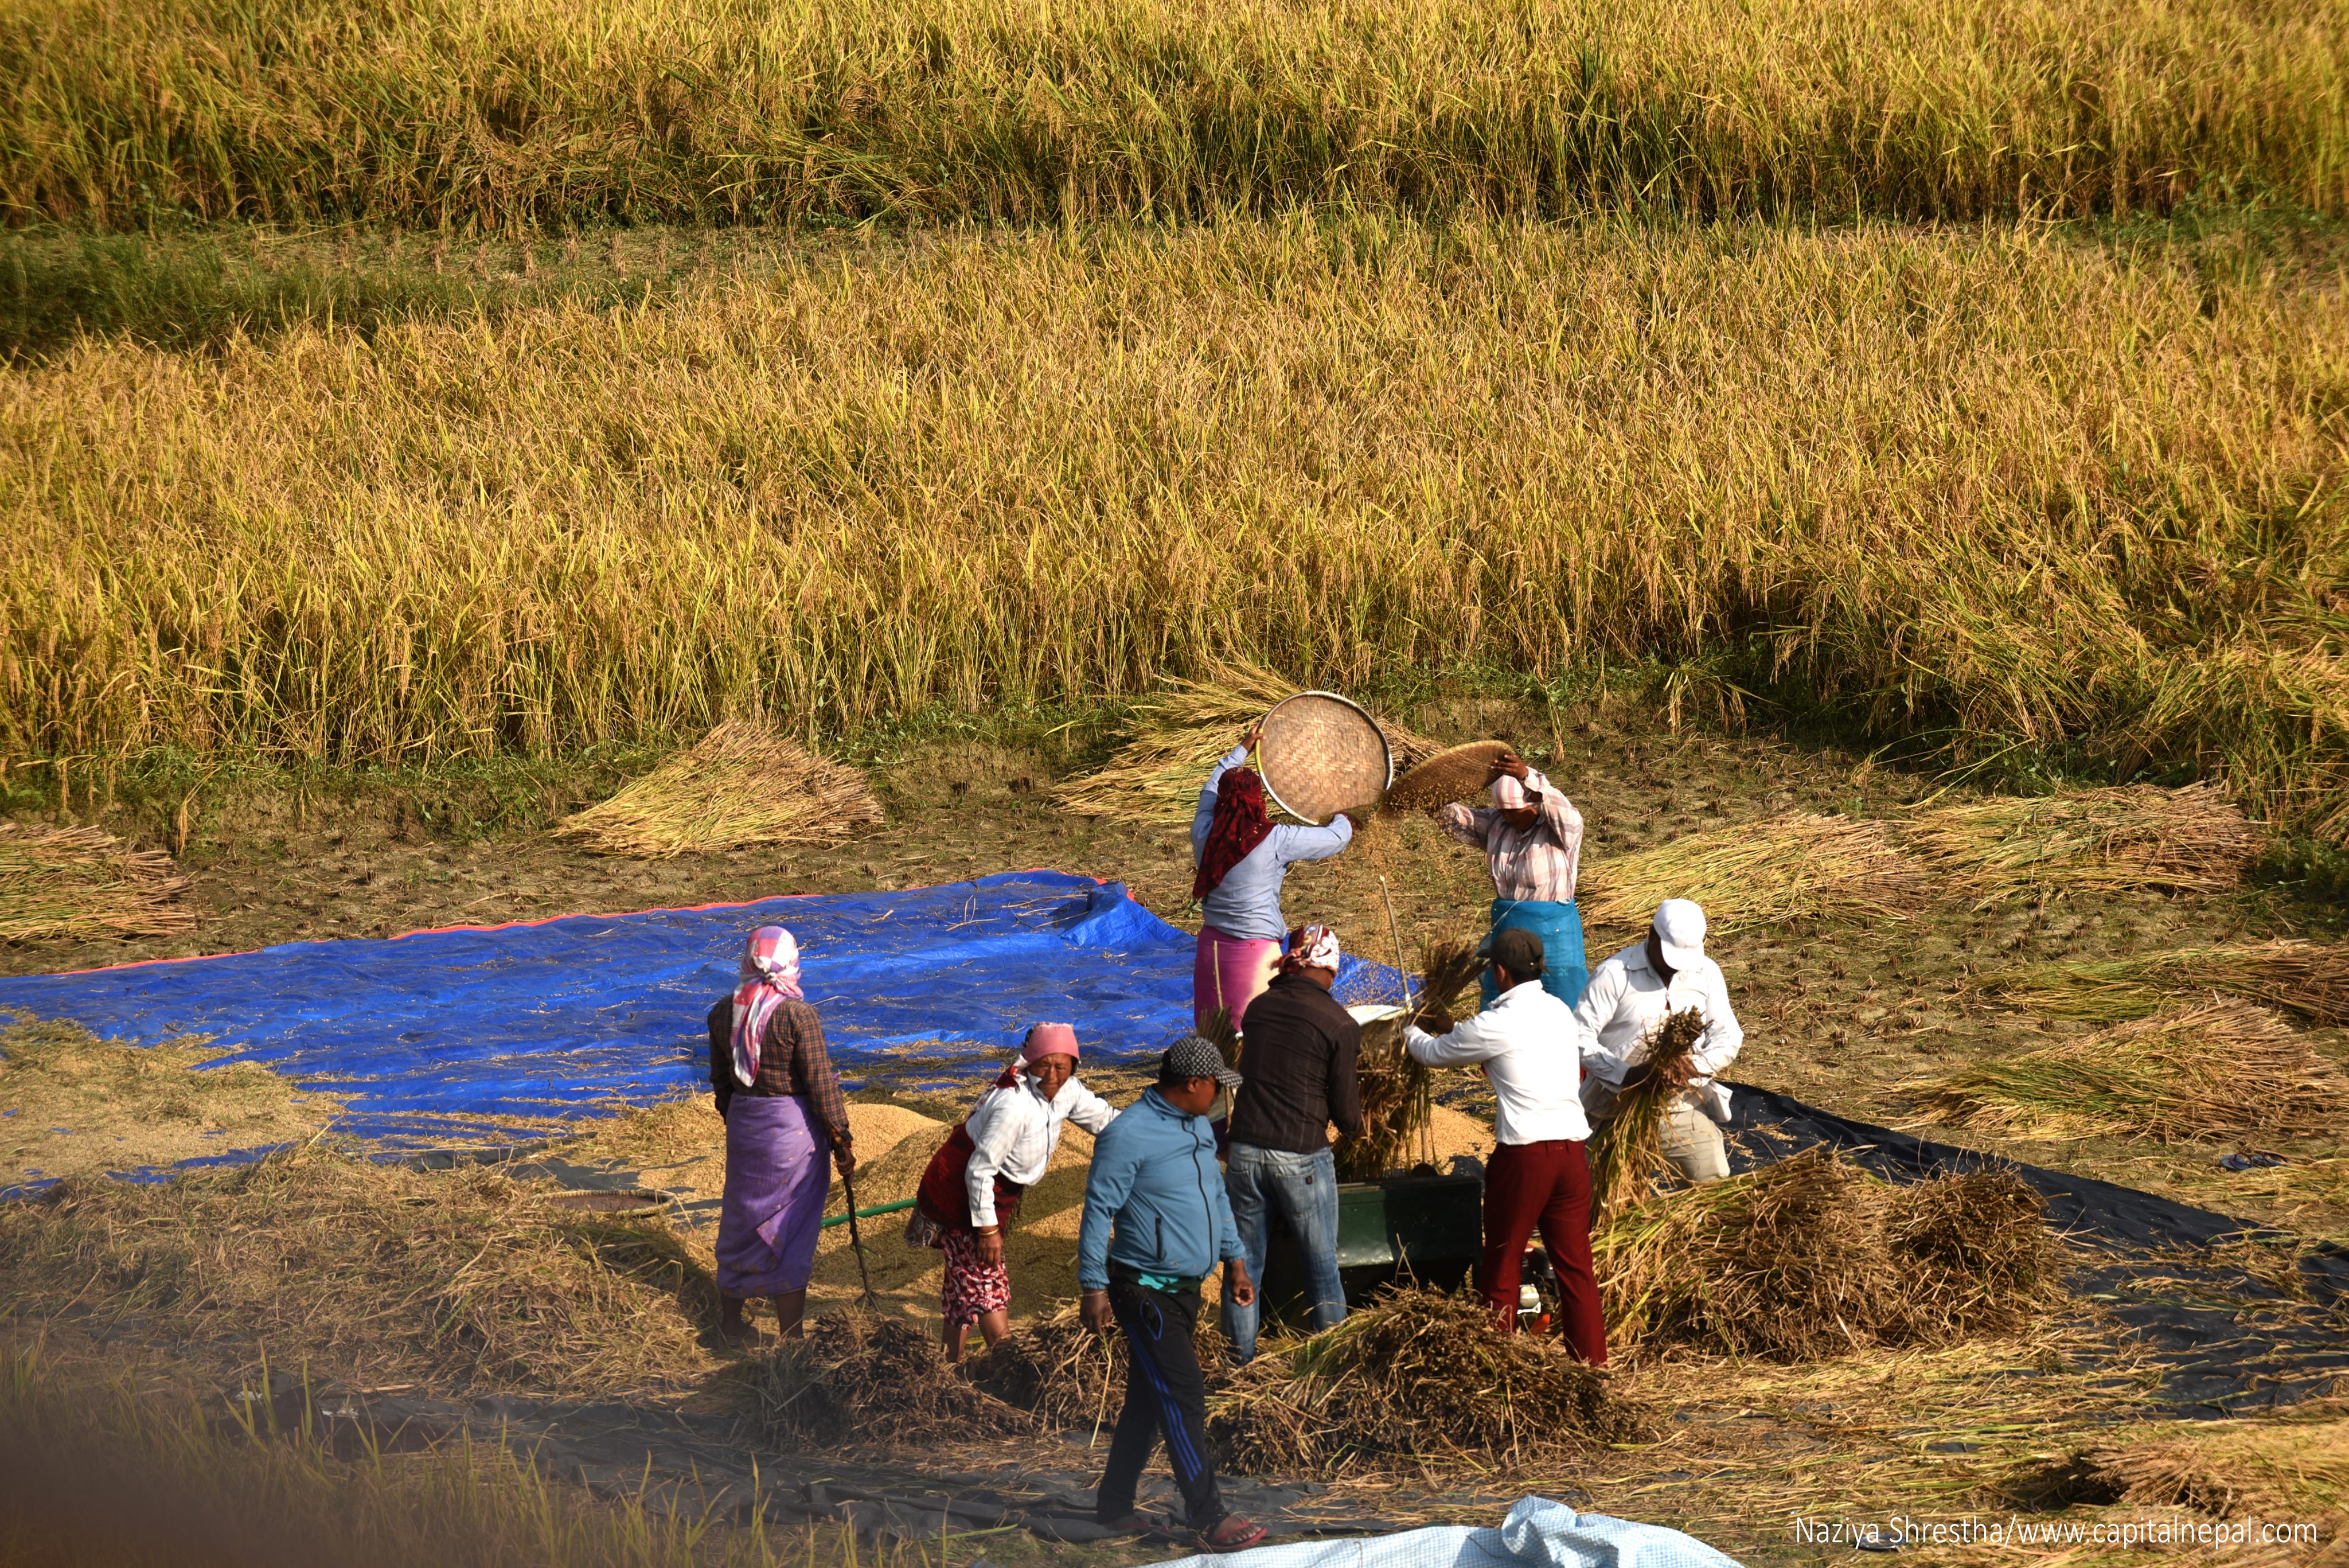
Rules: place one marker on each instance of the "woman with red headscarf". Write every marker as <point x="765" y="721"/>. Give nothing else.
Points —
<point x="1243" y="857"/>
<point x="973" y="1184"/>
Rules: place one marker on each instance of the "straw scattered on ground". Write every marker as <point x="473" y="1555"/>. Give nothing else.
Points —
<point x="1414" y="1374"/>
<point x="1811" y="1258"/>
<point x="2190" y="840"/>
<point x="71" y="1104"/>
<point x="1397" y="1091"/>
<point x="2309" y="979"/>
<point x="861" y="1377"/>
<point x="1454" y="774"/>
<point x="739" y="785"/>
<point x="1627" y="1150"/>
<point x="2291" y="1465"/>
<point x="1790" y="867"/>
<point x="1178" y="735"/>
<point x="2220" y="1072"/>
<point x="367" y="1272"/>
<point x="75" y="883"/>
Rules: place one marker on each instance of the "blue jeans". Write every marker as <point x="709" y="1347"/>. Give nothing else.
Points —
<point x="1303" y="1188"/>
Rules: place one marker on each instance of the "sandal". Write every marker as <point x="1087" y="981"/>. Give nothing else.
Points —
<point x="1231" y="1534"/>
<point x="1128" y="1524"/>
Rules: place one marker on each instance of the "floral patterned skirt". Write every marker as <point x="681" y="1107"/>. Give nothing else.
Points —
<point x="973" y="1288"/>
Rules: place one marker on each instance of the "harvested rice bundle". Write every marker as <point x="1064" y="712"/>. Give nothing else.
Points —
<point x="63" y="883"/>
<point x="742" y="783"/>
<point x="2295" y="1467"/>
<point x="1069" y="1377"/>
<point x="1396" y="1090"/>
<point x="2220" y="1072"/>
<point x="861" y="1377"/>
<point x="2309" y="978"/>
<point x="1627" y="1150"/>
<point x="1459" y="772"/>
<point x="2192" y="840"/>
<point x="1787" y="868"/>
<point x="1812" y="1257"/>
<point x="1410" y="1372"/>
<point x="1156" y="776"/>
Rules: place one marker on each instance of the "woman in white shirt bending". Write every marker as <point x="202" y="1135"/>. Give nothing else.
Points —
<point x="973" y="1184"/>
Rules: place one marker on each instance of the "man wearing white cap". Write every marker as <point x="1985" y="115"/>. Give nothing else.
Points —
<point x="1629" y="997"/>
<point x="1532" y="839"/>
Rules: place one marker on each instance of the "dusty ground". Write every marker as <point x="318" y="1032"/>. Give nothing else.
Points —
<point x="1838" y="1012"/>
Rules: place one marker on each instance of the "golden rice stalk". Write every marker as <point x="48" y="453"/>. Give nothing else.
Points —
<point x="741" y="784"/>
<point x="1627" y="1150"/>
<point x="64" y="883"/>
<point x="2220" y="1072"/>
<point x="2190" y="840"/>
<point x="1787" y="868"/>
<point x="2310" y="979"/>
<point x="1397" y="1092"/>
<point x="2295" y="1467"/>
<point x="1457" y="773"/>
<point x="1156" y="776"/>
<point x="1811" y="1257"/>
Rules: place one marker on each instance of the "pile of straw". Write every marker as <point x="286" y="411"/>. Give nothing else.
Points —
<point x="1458" y="772"/>
<point x="1414" y="1374"/>
<point x="1068" y="1375"/>
<point x="1397" y="1092"/>
<point x="1788" y="869"/>
<point x="864" y="1378"/>
<point x="1627" y="1150"/>
<point x="1812" y="1257"/>
<point x="2190" y="840"/>
<point x="62" y="884"/>
<point x="2310" y="979"/>
<point x="1178" y="735"/>
<point x="2294" y="1467"/>
<point x="740" y="784"/>
<point x="2220" y="1072"/>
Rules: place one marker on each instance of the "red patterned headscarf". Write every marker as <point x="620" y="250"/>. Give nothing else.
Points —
<point x="1239" y="825"/>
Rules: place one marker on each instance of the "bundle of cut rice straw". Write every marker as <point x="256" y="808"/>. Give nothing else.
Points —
<point x="2222" y="1070"/>
<point x="2192" y="840"/>
<point x="1178" y="735"/>
<point x="2309" y="979"/>
<point x="1397" y="1095"/>
<point x="740" y="784"/>
<point x="1627" y="1150"/>
<point x="64" y="883"/>
<point x="1790" y="867"/>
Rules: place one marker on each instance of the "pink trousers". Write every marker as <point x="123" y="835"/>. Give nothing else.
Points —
<point x="1229" y="973"/>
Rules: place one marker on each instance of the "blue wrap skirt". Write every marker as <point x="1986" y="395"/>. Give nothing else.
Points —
<point x="1566" y="968"/>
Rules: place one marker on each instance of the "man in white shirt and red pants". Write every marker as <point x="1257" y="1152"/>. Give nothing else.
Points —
<point x="1530" y="1047"/>
<point x="1628" y="999"/>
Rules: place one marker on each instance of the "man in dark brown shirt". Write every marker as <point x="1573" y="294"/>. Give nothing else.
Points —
<point x="1298" y="1053"/>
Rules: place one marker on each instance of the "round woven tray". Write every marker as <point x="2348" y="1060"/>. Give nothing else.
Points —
<point x="1321" y="754"/>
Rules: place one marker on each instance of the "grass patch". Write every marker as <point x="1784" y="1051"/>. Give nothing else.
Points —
<point x="740" y="784"/>
<point x="2225" y="1071"/>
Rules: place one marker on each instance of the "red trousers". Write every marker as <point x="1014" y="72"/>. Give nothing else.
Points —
<point x="1543" y="1184"/>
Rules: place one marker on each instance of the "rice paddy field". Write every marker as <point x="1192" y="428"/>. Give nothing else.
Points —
<point x="1886" y="460"/>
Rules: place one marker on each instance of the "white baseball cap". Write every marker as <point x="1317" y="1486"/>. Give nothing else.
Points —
<point x="1680" y="930"/>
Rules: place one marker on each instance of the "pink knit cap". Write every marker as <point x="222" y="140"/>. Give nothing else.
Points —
<point x="1049" y="1040"/>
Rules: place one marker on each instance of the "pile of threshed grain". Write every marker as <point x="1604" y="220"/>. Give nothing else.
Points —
<point x="1627" y="1149"/>
<point x="2307" y="979"/>
<point x="2225" y="1070"/>
<point x="1178" y="735"/>
<point x="741" y="785"/>
<point x="1812" y="1258"/>
<point x="2190" y="840"/>
<point x="1396" y="1090"/>
<point x="66" y="883"/>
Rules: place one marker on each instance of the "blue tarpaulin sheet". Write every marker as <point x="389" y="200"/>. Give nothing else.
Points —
<point x="426" y="1036"/>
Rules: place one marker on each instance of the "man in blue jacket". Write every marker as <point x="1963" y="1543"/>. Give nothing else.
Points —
<point x="1157" y="1221"/>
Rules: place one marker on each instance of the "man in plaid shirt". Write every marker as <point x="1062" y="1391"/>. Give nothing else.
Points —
<point x="1532" y="839"/>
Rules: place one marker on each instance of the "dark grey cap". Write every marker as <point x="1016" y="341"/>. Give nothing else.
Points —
<point x="1517" y="949"/>
<point x="1192" y="1057"/>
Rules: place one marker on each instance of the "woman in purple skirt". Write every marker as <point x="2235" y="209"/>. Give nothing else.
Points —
<point x="784" y="1114"/>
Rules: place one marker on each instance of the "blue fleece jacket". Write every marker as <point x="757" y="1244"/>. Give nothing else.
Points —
<point x="1154" y="1197"/>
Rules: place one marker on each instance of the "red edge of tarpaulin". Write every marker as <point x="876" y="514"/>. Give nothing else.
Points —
<point x="522" y="925"/>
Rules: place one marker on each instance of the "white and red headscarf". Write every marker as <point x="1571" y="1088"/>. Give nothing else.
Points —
<point x="770" y="972"/>
<point x="1311" y="946"/>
